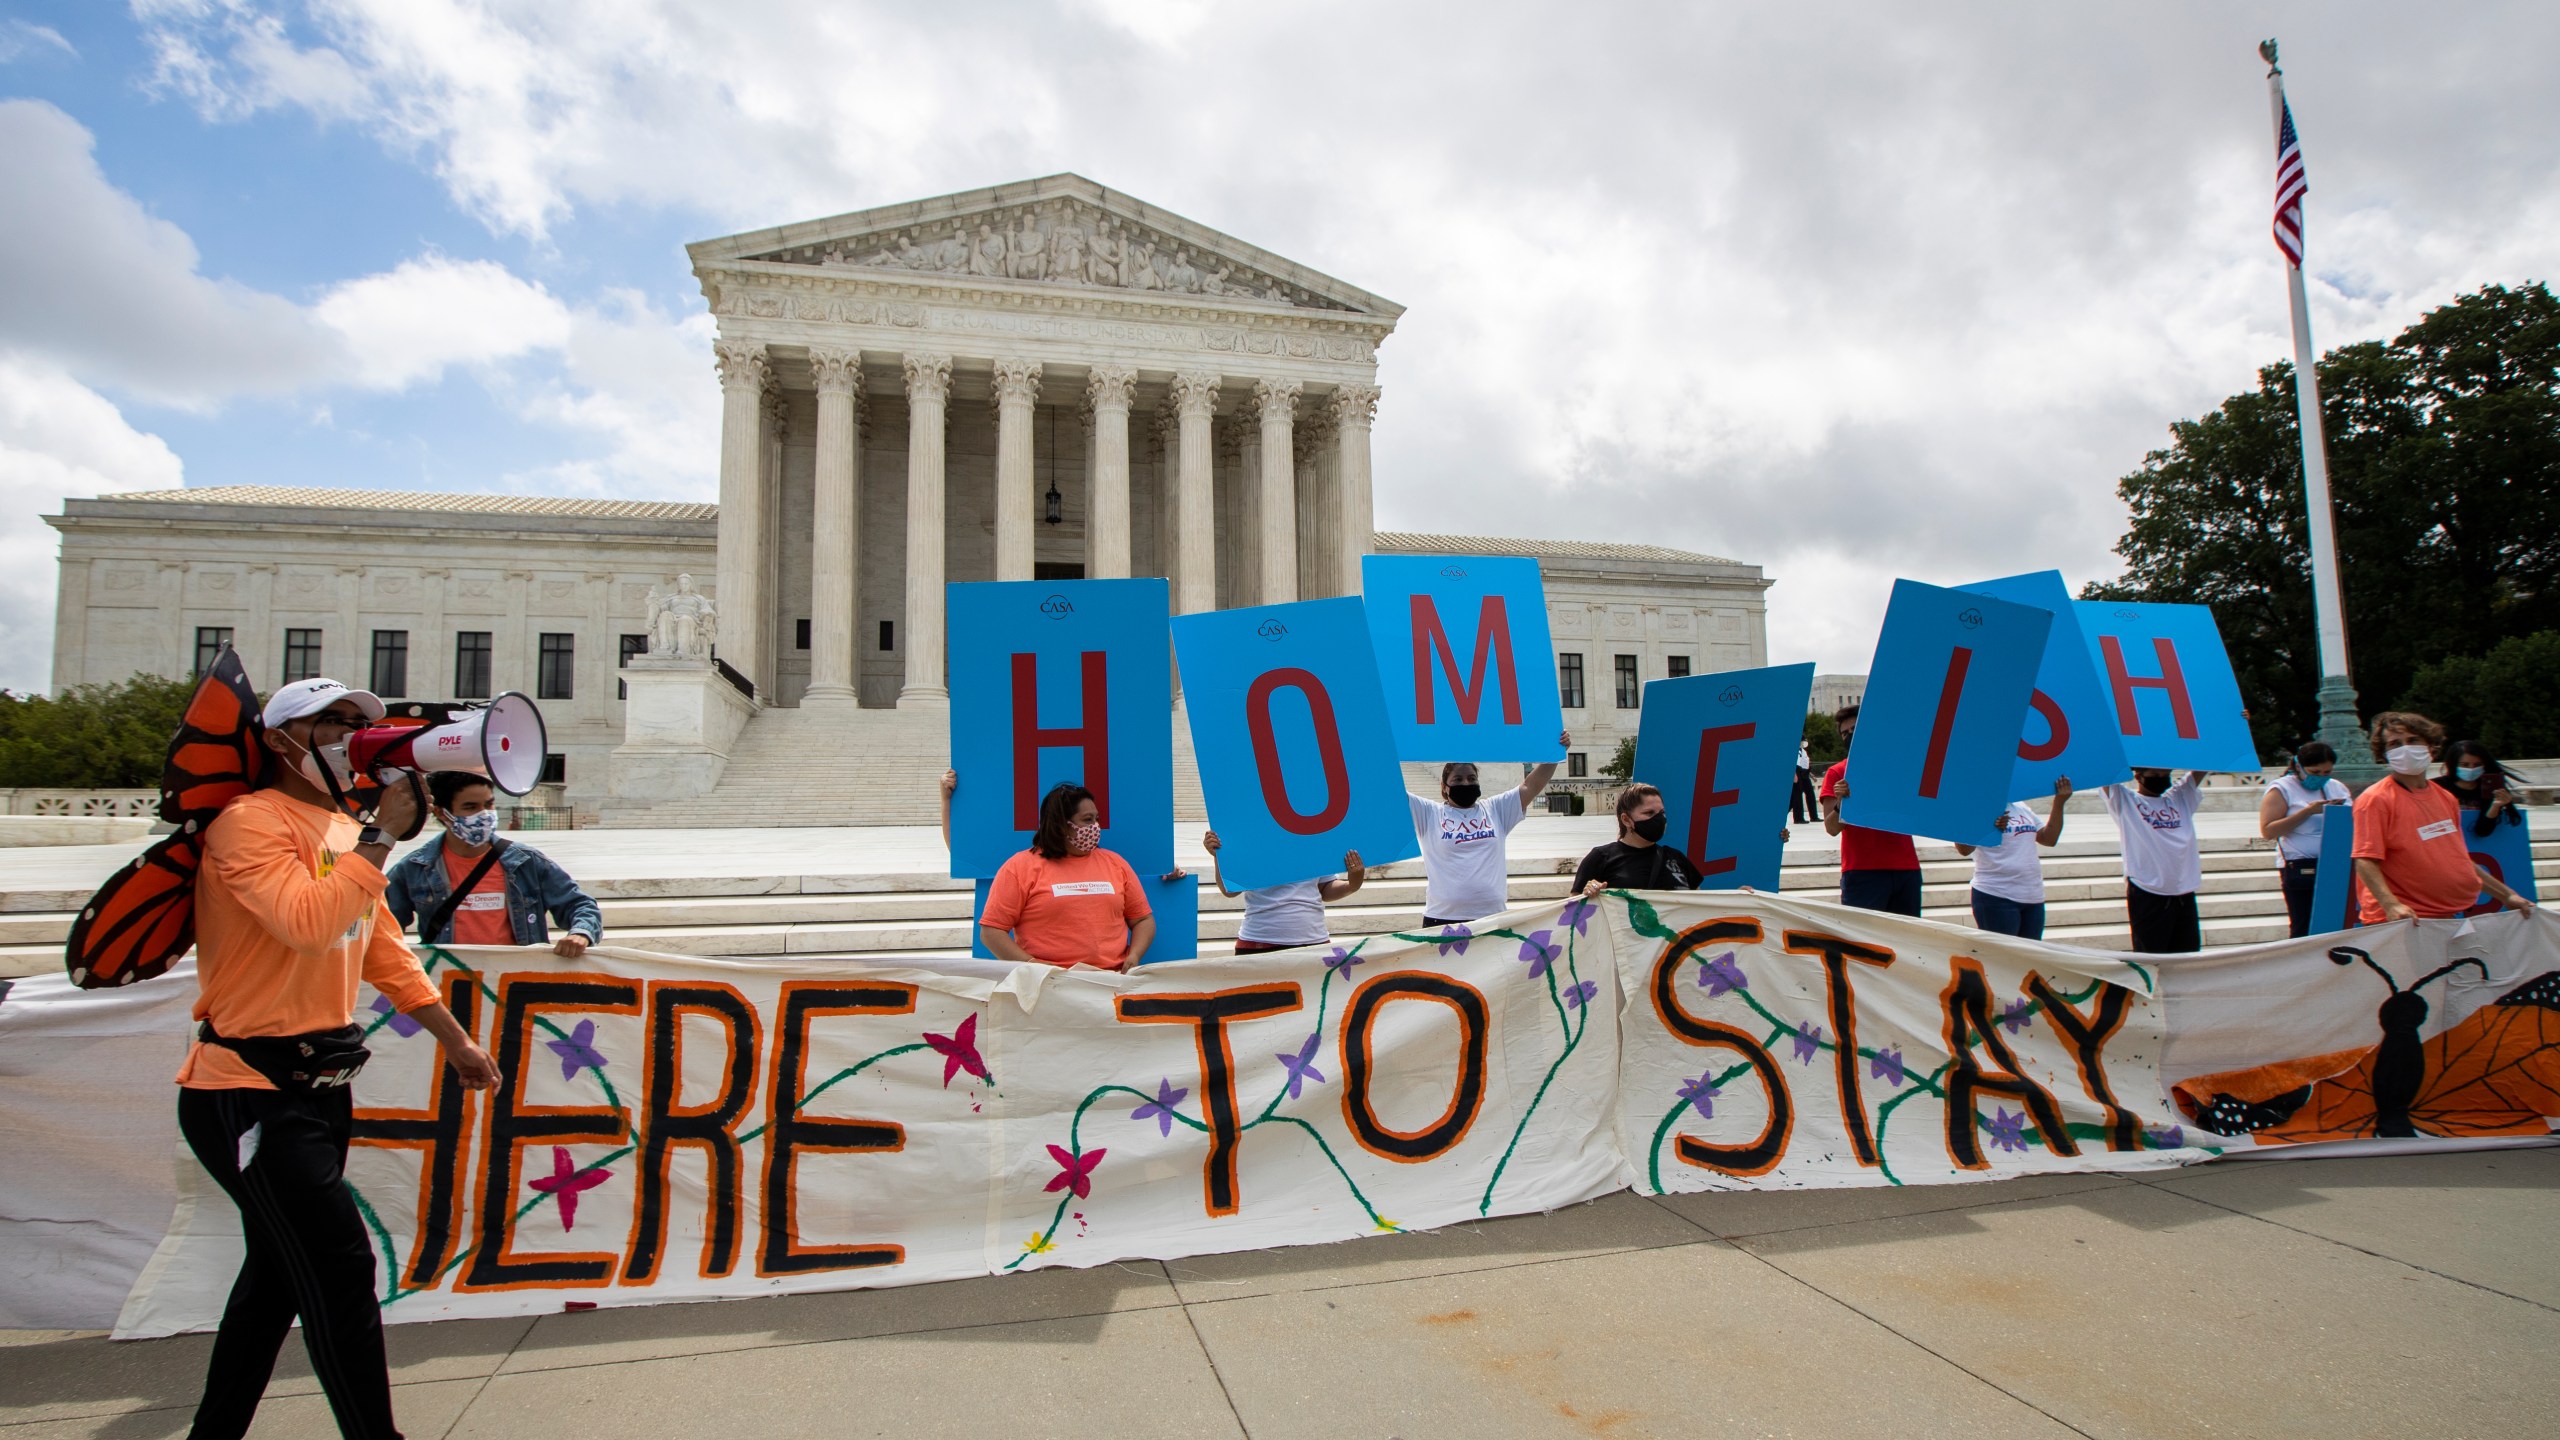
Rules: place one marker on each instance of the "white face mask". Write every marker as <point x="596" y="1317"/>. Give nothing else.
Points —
<point x="2407" y="759"/>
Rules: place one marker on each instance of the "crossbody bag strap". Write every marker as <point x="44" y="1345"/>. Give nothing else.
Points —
<point x="433" y="924"/>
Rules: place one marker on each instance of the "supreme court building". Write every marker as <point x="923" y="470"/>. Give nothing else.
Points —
<point x="1044" y="380"/>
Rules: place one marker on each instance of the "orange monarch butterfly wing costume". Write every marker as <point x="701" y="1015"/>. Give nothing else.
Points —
<point x="143" y="918"/>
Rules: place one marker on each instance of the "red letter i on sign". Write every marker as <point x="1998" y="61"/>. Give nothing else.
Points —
<point x="1959" y="661"/>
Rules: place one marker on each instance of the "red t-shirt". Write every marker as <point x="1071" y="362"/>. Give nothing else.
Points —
<point x="2416" y="837"/>
<point x="1865" y="849"/>
<point x="481" y="918"/>
<point x="1074" y="910"/>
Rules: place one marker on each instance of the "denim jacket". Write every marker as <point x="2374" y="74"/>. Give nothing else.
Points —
<point x="536" y="887"/>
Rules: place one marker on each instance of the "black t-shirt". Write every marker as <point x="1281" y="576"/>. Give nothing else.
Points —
<point x="1621" y="866"/>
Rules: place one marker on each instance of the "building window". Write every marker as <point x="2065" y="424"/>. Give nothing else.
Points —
<point x="391" y="663"/>
<point x="631" y="645"/>
<point x="1569" y="680"/>
<point x="1630" y="686"/>
<point x="301" y="655"/>
<point x="1676" y="667"/>
<point x="557" y="679"/>
<point x="800" y="633"/>
<point x="1577" y="765"/>
<point x="888" y="634"/>
<point x="555" y="770"/>
<point x="471" y="665"/>
<point x="211" y="641"/>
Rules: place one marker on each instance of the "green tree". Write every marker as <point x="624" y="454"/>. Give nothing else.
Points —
<point x="2444" y="475"/>
<point x="1622" y="761"/>
<point x="1822" y="737"/>
<point x="91" y="737"/>
<point x="2504" y="699"/>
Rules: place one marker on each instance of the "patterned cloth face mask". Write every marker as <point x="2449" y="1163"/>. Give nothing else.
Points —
<point x="1084" y="839"/>
<point x="473" y="830"/>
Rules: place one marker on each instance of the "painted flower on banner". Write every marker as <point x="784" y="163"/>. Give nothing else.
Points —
<point x="1039" y="1243"/>
<point x="1075" y="1169"/>
<point x="1887" y="1065"/>
<point x="1539" y="951"/>
<point x="959" y="1051"/>
<point x="1700" y="1095"/>
<point x="578" y="1051"/>
<point x="1455" y="937"/>
<point x="2016" y="1016"/>
<point x="566" y="1182"/>
<point x="2172" y="1137"/>
<point x="1344" y="960"/>
<point x="401" y="1025"/>
<point x="2007" y="1131"/>
<point x="1160" y="1109"/>
<point x="1302" y="1066"/>
<point x="1722" y="975"/>
<point x="1808" y="1041"/>
<point x="1577" y="914"/>
<point x="1576" y="996"/>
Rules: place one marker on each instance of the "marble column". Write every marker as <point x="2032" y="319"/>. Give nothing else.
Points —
<point x="1319" y="508"/>
<point x="1353" y="406"/>
<point x="1240" y="448"/>
<point x="1017" y="389"/>
<point x="1276" y="401"/>
<point x="928" y="401"/>
<point x="1106" y="513"/>
<point x="835" y="528"/>
<point x="740" y="541"/>
<point x="777" y="434"/>
<point x="1194" y="398"/>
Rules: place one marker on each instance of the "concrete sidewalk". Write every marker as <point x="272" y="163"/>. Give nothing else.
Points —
<point x="2302" y="1297"/>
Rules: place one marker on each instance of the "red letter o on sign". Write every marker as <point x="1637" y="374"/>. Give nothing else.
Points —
<point x="1266" y="752"/>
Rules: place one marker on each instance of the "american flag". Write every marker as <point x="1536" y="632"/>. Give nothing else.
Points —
<point x="2290" y="188"/>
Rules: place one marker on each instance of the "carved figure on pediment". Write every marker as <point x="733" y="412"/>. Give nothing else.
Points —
<point x="1138" y="264"/>
<point x="1215" y="283"/>
<point x="950" y="254"/>
<point x="680" y="621"/>
<point x="1066" y="253"/>
<point x="1027" y="257"/>
<point x="986" y="257"/>
<point x="1103" y="256"/>
<point x="1181" y="276"/>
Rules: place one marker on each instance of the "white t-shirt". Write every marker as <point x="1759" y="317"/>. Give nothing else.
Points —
<point x="2011" y="869"/>
<point x="2160" y="852"/>
<point x="2303" y="841"/>
<point x="1291" y="914"/>
<point x="1466" y="855"/>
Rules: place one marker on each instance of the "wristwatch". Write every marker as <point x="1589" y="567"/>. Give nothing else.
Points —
<point x="373" y="835"/>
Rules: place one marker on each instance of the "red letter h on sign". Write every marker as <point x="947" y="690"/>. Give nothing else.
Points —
<point x="2171" y="679"/>
<point x="1493" y="636"/>
<point x="1093" y="737"/>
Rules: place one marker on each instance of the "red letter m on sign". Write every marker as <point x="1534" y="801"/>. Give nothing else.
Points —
<point x="1493" y="637"/>
<point x="1093" y="737"/>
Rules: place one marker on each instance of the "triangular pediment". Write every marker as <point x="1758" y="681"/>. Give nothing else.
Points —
<point x="1062" y="230"/>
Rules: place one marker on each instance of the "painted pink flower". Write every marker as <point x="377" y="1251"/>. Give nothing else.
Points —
<point x="566" y="1182"/>
<point x="959" y="1051"/>
<point x="1075" y="1170"/>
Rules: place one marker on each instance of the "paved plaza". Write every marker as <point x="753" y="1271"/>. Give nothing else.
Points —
<point x="2378" y="1296"/>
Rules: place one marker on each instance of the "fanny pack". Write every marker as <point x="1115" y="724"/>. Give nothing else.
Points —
<point x="321" y="1060"/>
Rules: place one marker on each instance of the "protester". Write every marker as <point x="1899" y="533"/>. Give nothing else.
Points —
<point x="1283" y="917"/>
<point x="2163" y="864"/>
<point x="505" y="889"/>
<point x="1879" y="870"/>
<point x="2008" y="875"/>
<point x="2294" y="814"/>
<point x="289" y="917"/>
<point x="2411" y="858"/>
<point x="2479" y="782"/>
<point x="1637" y="859"/>
<point x="1466" y="849"/>
<point x="1066" y="900"/>
<point x="1801" y="804"/>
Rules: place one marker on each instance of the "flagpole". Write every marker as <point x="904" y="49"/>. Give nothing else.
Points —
<point x="2339" y="723"/>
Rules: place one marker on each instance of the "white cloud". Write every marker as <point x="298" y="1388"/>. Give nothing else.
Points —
<point x="639" y="382"/>
<point x="22" y="38"/>
<point x="411" y="322"/>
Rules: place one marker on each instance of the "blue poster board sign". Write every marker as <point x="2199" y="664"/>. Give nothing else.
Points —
<point x="2070" y="732"/>
<point x="1464" y="656"/>
<point x="1946" y="701"/>
<point x="1297" y="759"/>
<point x="1176" y="903"/>
<point x="2169" y="684"/>
<point x="1057" y="680"/>
<point x="1722" y="749"/>
<point x="2333" y="889"/>
<point x="2506" y="852"/>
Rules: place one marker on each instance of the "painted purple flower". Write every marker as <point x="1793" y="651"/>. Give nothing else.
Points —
<point x="1455" y="937"/>
<point x="2173" y="1137"/>
<point x="1302" y="1066"/>
<point x="1575" y="995"/>
<point x="2008" y="1131"/>
<point x="1343" y="959"/>
<point x="1577" y="914"/>
<point x="1722" y="975"/>
<point x="1808" y="1041"/>
<point x="2016" y="1016"/>
<point x="1160" y="1109"/>
<point x="401" y="1025"/>
<point x="578" y="1052"/>
<point x="1539" y="951"/>
<point x="1700" y="1094"/>
<point x="1887" y="1065"/>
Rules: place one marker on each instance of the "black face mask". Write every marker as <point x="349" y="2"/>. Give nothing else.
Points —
<point x="1465" y="796"/>
<point x="2154" y="785"/>
<point x="1651" y="827"/>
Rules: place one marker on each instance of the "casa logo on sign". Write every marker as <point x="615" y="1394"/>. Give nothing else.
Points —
<point x="1731" y="695"/>
<point x="1271" y="629"/>
<point x="1969" y="618"/>
<point x="1057" y="607"/>
<point x="1453" y="572"/>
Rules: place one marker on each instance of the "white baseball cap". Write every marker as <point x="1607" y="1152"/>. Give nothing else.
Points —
<point x="310" y="697"/>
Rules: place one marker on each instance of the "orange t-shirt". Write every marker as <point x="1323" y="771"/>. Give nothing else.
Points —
<point x="1071" y="911"/>
<point x="2416" y="837"/>
<point x="288" y="919"/>
<point x="481" y="918"/>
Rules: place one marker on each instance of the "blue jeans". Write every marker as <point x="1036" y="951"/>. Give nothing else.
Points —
<point x="2008" y="917"/>
<point x="1896" y="891"/>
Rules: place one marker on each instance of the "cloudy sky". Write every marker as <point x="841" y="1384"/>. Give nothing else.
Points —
<point x="1847" y="291"/>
